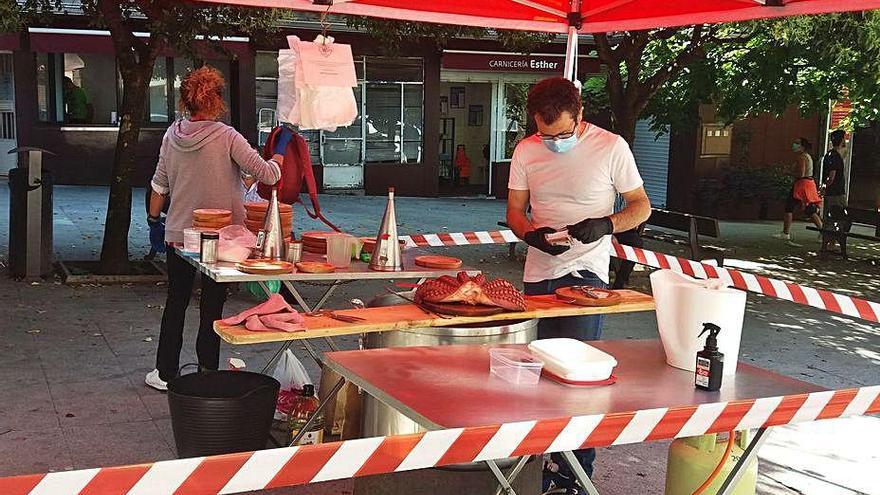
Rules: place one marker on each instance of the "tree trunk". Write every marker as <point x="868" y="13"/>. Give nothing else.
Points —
<point x="625" y="123"/>
<point x="114" y="251"/>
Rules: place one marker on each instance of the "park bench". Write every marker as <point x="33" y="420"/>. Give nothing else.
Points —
<point x="852" y="216"/>
<point x="686" y="231"/>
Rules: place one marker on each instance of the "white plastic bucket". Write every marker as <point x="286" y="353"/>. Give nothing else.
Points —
<point x="684" y="304"/>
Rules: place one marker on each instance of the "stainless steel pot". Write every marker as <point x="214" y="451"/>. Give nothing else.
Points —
<point x="381" y="420"/>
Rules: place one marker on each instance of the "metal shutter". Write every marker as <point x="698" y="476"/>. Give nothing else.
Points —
<point x="652" y="159"/>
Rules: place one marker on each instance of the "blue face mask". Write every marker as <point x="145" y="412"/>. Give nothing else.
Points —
<point x="561" y="145"/>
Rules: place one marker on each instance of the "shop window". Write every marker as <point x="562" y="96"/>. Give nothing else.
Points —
<point x="390" y="112"/>
<point x="72" y="88"/>
<point x="157" y="102"/>
<point x="716" y="140"/>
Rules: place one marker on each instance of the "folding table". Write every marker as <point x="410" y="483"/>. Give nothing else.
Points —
<point x="451" y="387"/>
<point x="227" y="273"/>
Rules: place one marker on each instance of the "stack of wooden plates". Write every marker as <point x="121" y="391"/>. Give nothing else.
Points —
<point x="370" y="244"/>
<point x="256" y="216"/>
<point x="315" y="242"/>
<point x="211" y="219"/>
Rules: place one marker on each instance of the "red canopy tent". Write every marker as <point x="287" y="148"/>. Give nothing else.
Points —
<point x="571" y="16"/>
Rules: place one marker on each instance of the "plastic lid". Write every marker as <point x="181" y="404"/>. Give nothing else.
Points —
<point x="210" y="235"/>
<point x="308" y="390"/>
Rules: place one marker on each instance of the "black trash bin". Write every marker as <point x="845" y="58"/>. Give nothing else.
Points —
<point x="18" y="216"/>
<point x="221" y="412"/>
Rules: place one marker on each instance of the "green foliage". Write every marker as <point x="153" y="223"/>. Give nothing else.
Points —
<point x="594" y="94"/>
<point x="392" y="35"/>
<point x="178" y="25"/>
<point x="766" y="66"/>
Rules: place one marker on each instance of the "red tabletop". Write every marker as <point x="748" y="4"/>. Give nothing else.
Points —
<point x="450" y="386"/>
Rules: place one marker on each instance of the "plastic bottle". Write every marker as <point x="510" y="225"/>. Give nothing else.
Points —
<point x="303" y="408"/>
<point x="710" y="362"/>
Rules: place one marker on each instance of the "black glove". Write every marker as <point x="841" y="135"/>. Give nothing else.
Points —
<point x="535" y="238"/>
<point x="591" y="229"/>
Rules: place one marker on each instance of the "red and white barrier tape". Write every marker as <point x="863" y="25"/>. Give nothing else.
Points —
<point x="818" y="298"/>
<point x="275" y="468"/>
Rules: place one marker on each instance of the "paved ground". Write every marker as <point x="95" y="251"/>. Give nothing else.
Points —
<point x="72" y="359"/>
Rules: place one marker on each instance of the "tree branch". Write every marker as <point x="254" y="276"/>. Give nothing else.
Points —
<point x="694" y="51"/>
<point x="609" y="58"/>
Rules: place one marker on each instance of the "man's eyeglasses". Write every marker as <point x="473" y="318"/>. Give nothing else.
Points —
<point x="560" y="136"/>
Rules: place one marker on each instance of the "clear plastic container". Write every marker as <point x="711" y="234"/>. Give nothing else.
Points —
<point x="515" y="366"/>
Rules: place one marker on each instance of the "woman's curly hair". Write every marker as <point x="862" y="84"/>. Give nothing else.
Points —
<point x="201" y="92"/>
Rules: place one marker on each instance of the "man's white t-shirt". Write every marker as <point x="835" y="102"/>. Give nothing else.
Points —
<point x="565" y="188"/>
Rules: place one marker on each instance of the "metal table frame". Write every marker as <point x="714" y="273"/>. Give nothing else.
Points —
<point x="226" y="273"/>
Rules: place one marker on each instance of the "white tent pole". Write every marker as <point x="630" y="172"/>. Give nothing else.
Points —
<point x="571" y="53"/>
<point x="571" y="46"/>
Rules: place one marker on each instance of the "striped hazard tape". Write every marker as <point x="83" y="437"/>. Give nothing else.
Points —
<point x="276" y="468"/>
<point x="818" y="298"/>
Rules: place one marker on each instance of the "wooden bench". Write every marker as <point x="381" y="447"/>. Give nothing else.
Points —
<point x="692" y="226"/>
<point x="855" y="216"/>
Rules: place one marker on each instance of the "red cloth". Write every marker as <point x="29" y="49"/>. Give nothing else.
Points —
<point x="805" y="191"/>
<point x="297" y="167"/>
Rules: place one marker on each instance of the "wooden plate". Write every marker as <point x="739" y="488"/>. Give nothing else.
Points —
<point x="315" y="267"/>
<point x="574" y="296"/>
<point x="207" y="213"/>
<point x="461" y="309"/>
<point x="264" y="206"/>
<point x="259" y="216"/>
<point x="211" y="225"/>
<point x="438" y="262"/>
<point x="264" y="267"/>
<point x="316" y="236"/>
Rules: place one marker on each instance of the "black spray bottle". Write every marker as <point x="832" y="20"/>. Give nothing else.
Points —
<point x="710" y="362"/>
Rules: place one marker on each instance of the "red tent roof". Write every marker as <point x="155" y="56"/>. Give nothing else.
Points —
<point x="551" y="15"/>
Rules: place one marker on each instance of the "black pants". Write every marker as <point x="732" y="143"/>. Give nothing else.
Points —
<point x="181" y="276"/>
<point x="624" y="268"/>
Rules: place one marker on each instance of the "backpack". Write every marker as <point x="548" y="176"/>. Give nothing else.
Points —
<point x="297" y="167"/>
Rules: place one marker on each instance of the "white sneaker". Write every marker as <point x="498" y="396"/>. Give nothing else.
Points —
<point x="792" y="243"/>
<point x="153" y="380"/>
<point x="783" y="236"/>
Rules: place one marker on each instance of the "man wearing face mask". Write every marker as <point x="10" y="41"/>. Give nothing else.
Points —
<point x="570" y="173"/>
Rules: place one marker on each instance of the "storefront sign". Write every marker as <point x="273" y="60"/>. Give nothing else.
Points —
<point x="548" y="64"/>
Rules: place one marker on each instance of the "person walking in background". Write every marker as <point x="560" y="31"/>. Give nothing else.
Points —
<point x="834" y="183"/>
<point x="200" y="165"/>
<point x="462" y="165"/>
<point x="804" y="194"/>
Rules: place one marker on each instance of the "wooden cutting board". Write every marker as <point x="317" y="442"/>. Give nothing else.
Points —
<point x="461" y="309"/>
<point x="315" y="267"/>
<point x="438" y="262"/>
<point x="575" y="296"/>
<point x="408" y="316"/>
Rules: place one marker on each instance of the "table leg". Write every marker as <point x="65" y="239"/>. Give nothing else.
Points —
<point x="331" y="396"/>
<point x="579" y="472"/>
<point x="297" y="296"/>
<point x="512" y="475"/>
<point x="749" y="454"/>
<point x="505" y="487"/>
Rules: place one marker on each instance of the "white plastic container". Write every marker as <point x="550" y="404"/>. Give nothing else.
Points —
<point x="192" y="240"/>
<point x="515" y="366"/>
<point x="574" y="360"/>
<point x="684" y="304"/>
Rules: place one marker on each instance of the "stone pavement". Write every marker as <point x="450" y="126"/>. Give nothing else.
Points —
<point x="72" y="359"/>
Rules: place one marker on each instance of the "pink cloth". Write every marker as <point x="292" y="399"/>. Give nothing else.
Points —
<point x="273" y="315"/>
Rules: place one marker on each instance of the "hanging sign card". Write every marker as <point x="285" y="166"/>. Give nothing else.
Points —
<point x="327" y="64"/>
